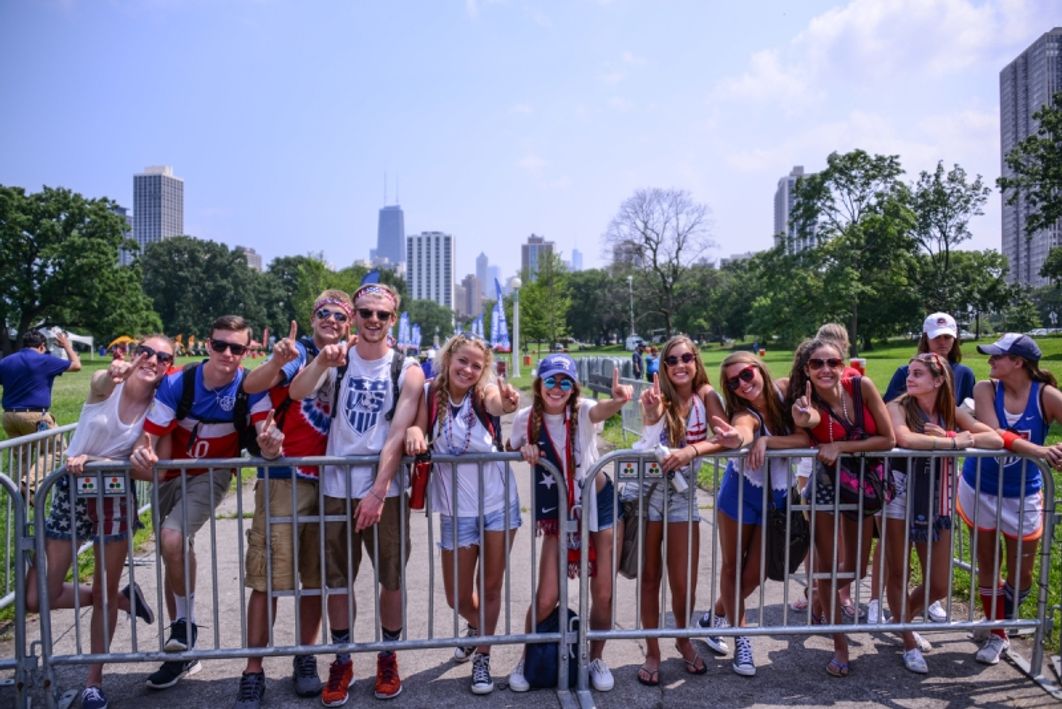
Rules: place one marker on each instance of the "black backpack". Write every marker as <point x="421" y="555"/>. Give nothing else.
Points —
<point x="396" y="371"/>
<point x="241" y="420"/>
<point x="540" y="659"/>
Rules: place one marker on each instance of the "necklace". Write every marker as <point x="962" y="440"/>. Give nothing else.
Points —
<point x="448" y="427"/>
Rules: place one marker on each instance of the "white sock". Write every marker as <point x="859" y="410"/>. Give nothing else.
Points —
<point x="185" y="607"/>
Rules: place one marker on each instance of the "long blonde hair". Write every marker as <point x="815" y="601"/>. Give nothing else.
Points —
<point x="673" y="418"/>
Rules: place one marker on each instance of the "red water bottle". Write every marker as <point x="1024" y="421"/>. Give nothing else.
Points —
<point x="419" y="481"/>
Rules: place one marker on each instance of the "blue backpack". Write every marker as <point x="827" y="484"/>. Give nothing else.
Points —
<point x="540" y="660"/>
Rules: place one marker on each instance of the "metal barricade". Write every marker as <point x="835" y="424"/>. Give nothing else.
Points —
<point x="330" y="522"/>
<point x="595" y="373"/>
<point x="20" y="663"/>
<point x="640" y="472"/>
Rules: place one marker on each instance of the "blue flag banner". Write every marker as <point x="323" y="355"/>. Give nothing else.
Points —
<point x="499" y="329"/>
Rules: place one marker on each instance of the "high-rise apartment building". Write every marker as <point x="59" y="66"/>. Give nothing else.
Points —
<point x="784" y="205"/>
<point x="470" y="299"/>
<point x="533" y="254"/>
<point x="577" y="261"/>
<point x="158" y="205"/>
<point x="390" y="238"/>
<point x="430" y="267"/>
<point x="254" y="259"/>
<point x="485" y="287"/>
<point x="1025" y="86"/>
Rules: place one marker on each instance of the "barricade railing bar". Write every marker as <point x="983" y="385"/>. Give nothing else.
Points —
<point x="298" y="526"/>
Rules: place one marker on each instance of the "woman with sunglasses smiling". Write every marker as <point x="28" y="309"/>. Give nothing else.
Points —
<point x="759" y="419"/>
<point x="925" y="418"/>
<point x="823" y="402"/>
<point x="561" y="427"/>
<point x="110" y="424"/>
<point x="1005" y="496"/>
<point x="459" y="414"/>
<point x="675" y="413"/>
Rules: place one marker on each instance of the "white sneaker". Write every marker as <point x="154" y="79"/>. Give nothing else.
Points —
<point x="936" y="612"/>
<point x="874" y="612"/>
<point x="992" y="649"/>
<point x="914" y="662"/>
<point x="923" y="644"/>
<point x="743" y="663"/>
<point x="517" y="681"/>
<point x="716" y="643"/>
<point x="600" y="676"/>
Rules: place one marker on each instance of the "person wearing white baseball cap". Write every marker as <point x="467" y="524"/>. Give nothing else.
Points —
<point x="1004" y="495"/>
<point x="940" y="334"/>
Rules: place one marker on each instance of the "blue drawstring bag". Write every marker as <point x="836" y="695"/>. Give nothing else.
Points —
<point x="540" y="660"/>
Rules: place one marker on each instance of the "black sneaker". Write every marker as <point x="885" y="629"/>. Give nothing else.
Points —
<point x="171" y="673"/>
<point x="304" y="675"/>
<point x="252" y="689"/>
<point x="138" y="604"/>
<point x="178" y="640"/>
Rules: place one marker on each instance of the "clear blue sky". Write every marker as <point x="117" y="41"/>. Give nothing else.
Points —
<point x="498" y="118"/>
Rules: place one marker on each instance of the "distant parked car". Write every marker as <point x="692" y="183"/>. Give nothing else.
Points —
<point x="966" y="335"/>
<point x="1039" y="332"/>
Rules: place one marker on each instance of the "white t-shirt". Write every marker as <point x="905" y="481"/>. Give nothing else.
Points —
<point x="360" y="426"/>
<point x="460" y="431"/>
<point x="102" y="433"/>
<point x="585" y="449"/>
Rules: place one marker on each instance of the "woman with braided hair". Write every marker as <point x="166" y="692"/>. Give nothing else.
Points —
<point x="560" y="427"/>
<point x="459" y="414"/>
<point x="925" y="418"/>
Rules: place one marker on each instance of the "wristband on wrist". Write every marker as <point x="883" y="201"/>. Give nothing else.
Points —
<point x="954" y="443"/>
<point x="1008" y="439"/>
<point x="950" y="434"/>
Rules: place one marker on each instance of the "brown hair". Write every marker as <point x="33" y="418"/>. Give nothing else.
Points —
<point x="232" y="323"/>
<point x="945" y="401"/>
<point x="837" y="333"/>
<point x="538" y="411"/>
<point x="676" y="424"/>
<point x="954" y="354"/>
<point x="776" y="416"/>
<point x="798" y="377"/>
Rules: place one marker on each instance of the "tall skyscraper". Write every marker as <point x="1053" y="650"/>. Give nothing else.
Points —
<point x="470" y="300"/>
<point x="784" y="204"/>
<point x="485" y="288"/>
<point x="494" y="274"/>
<point x="390" y="237"/>
<point x="254" y="259"/>
<point x="158" y="205"/>
<point x="577" y="260"/>
<point x="430" y="267"/>
<point x="1026" y="85"/>
<point x="533" y="254"/>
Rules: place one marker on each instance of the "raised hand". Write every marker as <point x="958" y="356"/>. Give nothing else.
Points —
<point x="285" y="351"/>
<point x="620" y="392"/>
<point x="119" y="370"/>
<point x="336" y="355"/>
<point x="510" y="396"/>
<point x="651" y="399"/>
<point x="725" y="434"/>
<point x="802" y="408"/>
<point x="270" y="438"/>
<point x="60" y="339"/>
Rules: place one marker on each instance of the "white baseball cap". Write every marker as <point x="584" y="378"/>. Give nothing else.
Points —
<point x="939" y="324"/>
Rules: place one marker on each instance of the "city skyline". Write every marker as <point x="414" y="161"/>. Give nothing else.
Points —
<point x="281" y="118"/>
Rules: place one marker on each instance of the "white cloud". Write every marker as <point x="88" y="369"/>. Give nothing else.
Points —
<point x="531" y="162"/>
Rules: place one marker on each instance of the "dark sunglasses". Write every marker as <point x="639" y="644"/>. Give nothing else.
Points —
<point x="367" y="313"/>
<point x="685" y="358"/>
<point x="148" y="353"/>
<point x="325" y="313"/>
<point x="833" y="363"/>
<point x="565" y="384"/>
<point x="220" y="346"/>
<point x="745" y="375"/>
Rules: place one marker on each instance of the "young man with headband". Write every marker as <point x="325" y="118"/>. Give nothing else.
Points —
<point x="371" y="418"/>
<point x="302" y="428"/>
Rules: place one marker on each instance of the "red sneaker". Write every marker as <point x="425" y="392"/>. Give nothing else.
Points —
<point x="388" y="683"/>
<point x="340" y="677"/>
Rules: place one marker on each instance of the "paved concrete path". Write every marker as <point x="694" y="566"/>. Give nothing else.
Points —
<point x="790" y="668"/>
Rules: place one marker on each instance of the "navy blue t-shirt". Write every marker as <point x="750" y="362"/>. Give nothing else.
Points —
<point x="27" y="377"/>
<point x="962" y="377"/>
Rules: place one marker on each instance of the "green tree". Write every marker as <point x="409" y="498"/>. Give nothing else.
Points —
<point x="662" y="232"/>
<point x="1052" y="268"/>
<point x="59" y="266"/>
<point x="1034" y="169"/>
<point x="432" y="318"/>
<point x="1020" y="314"/>
<point x="943" y="204"/>
<point x="859" y="210"/>
<point x="192" y="281"/>
<point x="600" y="305"/>
<point x="980" y="285"/>
<point x="544" y="303"/>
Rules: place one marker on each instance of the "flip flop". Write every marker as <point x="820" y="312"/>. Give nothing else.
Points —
<point x="695" y="666"/>
<point x="648" y="677"/>
<point x="836" y="668"/>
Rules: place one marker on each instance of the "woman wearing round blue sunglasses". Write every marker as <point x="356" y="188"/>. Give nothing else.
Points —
<point x="559" y="427"/>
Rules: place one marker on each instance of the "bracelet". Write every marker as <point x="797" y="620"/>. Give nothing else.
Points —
<point x="373" y="493"/>
<point x="1008" y="439"/>
<point x="954" y="443"/>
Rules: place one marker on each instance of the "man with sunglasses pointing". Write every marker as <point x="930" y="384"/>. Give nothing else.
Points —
<point x="186" y="502"/>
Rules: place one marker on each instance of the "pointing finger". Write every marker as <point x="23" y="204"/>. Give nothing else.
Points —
<point x="269" y="422"/>
<point x="615" y="378"/>
<point x="656" y="384"/>
<point x="294" y="332"/>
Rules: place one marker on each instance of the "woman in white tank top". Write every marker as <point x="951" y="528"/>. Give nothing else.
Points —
<point x="110" y="423"/>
